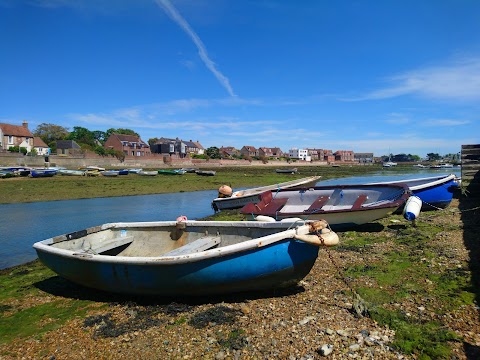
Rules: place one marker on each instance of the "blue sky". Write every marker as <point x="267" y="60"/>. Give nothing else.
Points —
<point x="392" y="76"/>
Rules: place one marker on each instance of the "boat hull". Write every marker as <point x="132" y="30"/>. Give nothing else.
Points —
<point x="42" y="173"/>
<point x="264" y="264"/>
<point x="237" y="202"/>
<point x="436" y="192"/>
<point x="342" y="206"/>
<point x="276" y="266"/>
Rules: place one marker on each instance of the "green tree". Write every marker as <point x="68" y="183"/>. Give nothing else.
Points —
<point x="213" y="152"/>
<point x="119" y="131"/>
<point x="100" y="150"/>
<point x="100" y="136"/>
<point x="433" y="156"/>
<point x="50" y="132"/>
<point x="16" y="149"/>
<point x="82" y="136"/>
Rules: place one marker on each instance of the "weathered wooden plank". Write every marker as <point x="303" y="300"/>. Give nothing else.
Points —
<point x="112" y="244"/>
<point x="468" y="147"/>
<point x="198" y="245"/>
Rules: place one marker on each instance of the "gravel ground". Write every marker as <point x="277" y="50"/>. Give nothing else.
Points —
<point x="312" y="321"/>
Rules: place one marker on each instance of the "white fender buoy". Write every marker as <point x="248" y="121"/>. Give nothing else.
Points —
<point x="327" y="239"/>
<point x="265" y="218"/>
<point x="293" y="219"/>
<point x="412" y="208"/>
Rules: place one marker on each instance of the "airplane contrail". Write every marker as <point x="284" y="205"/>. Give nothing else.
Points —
<point x="202" y="51"/>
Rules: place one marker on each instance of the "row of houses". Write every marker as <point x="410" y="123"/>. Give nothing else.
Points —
<point x="134" y="146"/>
<point x="130" y="145"/>
<point x="309" y="154"/>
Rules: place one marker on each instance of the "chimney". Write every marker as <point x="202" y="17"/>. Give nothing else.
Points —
<point x="25" y="124"/>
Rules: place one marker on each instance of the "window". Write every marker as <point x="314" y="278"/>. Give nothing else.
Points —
<point x="10" y="139"/>
<point x="139" y="153"/>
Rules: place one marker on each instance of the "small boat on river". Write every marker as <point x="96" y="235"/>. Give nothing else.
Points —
<point x="171" y="172"/>
<point x="37" y="173"/>
<point x="286" y="171"/>
<point x="110" y="173"/>
<point x="205" y="172"/>
<point x="148" y="173"/>
<point x="342" y="206"/>
<point x="66" y="172"/>
<point x="234" y="200"/>
<point x="436" y="192"/>
<point x="187" y="258"/>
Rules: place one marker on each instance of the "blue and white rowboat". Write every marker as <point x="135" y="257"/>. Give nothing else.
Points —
<point x="183" y="258"/>
<point x="436" y="192"/>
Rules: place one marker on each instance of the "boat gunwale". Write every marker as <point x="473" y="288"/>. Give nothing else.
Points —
<point x="259" y="190"/>
<point x="252" y="244"/>
<point x="440" y="180"/>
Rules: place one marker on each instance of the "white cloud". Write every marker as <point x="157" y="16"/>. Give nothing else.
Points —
<point x="445" y="122"/>
<point x="458" y="81"/>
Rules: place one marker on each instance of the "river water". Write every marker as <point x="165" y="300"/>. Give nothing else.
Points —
<point x="21" y="225"/>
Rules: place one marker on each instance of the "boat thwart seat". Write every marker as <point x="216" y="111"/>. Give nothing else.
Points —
<point x="110" y="244"/>
<point x="268" y="205"/>
<point x="318" y="204"/>
<point x="202" y="244"/>
<point x="359" y="202"/>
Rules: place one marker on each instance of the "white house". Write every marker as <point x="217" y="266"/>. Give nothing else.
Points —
<point x="300" y="154"/>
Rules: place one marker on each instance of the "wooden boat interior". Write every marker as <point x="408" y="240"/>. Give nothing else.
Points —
<point x="124" y="239"/>
<point x="318" y="200"/>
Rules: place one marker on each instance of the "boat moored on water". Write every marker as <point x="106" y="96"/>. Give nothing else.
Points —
<point x="229" y="199"/>
<point x="187" y="258"/>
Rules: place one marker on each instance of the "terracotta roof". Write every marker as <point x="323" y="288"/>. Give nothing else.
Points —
<point x="15" y="130"/>
<point x="129" y="138"/>
<point x="38" y="142"/>
<point x="198" y="145"/>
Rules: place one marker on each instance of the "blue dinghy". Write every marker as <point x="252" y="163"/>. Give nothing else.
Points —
<point x="36" y="173"/>
<point x="186" y="257"/>
<point x="436" y="192"/>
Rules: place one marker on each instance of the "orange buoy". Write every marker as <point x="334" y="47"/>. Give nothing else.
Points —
<point x="225" y="190"/>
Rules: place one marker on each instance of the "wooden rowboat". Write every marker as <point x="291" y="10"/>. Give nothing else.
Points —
<point x="240" y="198"/>
<point x="190" y="258"/>
<point x="286" y="171"/>
<point x="342" y="206"/>
<point x="205" y="172"/>
<point x="436" y="192"/>
<point x="171" y="172"/>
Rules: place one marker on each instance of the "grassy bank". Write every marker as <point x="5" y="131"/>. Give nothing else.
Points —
<point x="18" y="190"/>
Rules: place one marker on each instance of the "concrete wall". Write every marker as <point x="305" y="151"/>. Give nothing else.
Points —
<point x="152" y="162"/>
